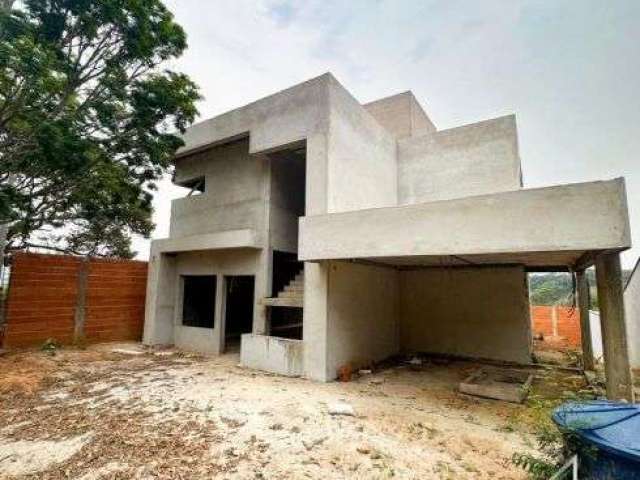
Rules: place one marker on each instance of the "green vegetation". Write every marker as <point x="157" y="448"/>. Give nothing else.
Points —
<point x="556" y="288"/>
<point x="88" y="120"/>
<point x="555" y="446"/>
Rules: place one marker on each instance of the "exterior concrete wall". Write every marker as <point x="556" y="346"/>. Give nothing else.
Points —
<point x="568" y="217"/>
<point x="401" y="115"/>
<point x="283" y="118"/>
<point x="460" y="162"/>
<point x="362" y="318"/>
<point x="632" y="307"/>
<point x="163" y="322"/>
<point x="234" y="196"/>
<point x="283" y="356"/>
<point x="596" y="334"/>
<point x="362" y="168"/>
<point x="474" y="312"/>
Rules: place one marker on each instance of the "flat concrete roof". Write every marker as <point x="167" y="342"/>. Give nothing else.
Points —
<point x="552" y="226"/>
<point x="246" y="238"/>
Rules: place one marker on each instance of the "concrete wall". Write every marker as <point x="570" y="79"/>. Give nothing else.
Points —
<point x="283" y="356"/>
<point x="159" y="312"/>
<point x="401" y="115"/>
<point x="474" y="312"/>
<point x="163" y="324"/>
<point x="362" y="316"/>
<point x="288" y="116"/>
<point x="563" y="218"/>
<point x="362" y="168"/>
<point x="459" y="162"/>
<point x="632" y="311"/>
<point x="234" y="196"/>
<point x="596" y="335"/>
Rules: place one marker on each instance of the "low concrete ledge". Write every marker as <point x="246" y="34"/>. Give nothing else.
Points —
<point x="246" y="238"/>
<point x="282" y="302"/>
<point x="582" y="216"/>
<point x="283" y="356"/>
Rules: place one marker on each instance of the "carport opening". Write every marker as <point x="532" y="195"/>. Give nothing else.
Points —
<point x="238" y="309"/>
<point x="199" y="299"/>
<point x="555" y="317"/>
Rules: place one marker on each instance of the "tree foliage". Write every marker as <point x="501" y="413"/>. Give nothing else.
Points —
<point x="88" y="119"/>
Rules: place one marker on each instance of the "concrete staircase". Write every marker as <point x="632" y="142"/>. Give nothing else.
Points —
<point x="292" y="295"/>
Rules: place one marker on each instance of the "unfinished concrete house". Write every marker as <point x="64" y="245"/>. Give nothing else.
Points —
<point x="321" y="232"/>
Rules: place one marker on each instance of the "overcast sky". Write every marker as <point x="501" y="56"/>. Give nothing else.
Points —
<point x="569" y="70"/>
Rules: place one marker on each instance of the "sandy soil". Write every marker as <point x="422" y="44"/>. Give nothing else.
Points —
<point x="98" y="414"/>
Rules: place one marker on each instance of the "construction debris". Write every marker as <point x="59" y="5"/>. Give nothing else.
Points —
<point x="507" y="385"/>
<point x="341" y="408"/>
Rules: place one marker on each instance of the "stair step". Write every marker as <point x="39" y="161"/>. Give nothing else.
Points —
<point x="294" y="288"/>
<point x="290" y="294"/>
<point x="283" y="302"/>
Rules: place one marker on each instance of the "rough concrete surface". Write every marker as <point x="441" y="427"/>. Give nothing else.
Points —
<point x="472" y="312"/>
<point x="170" y="415"/>
<point x="632" y="310"/>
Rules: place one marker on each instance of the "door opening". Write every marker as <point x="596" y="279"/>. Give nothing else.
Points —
<point x="238" y="309"/>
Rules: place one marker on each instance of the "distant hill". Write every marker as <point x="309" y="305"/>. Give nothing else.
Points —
<point x="556" y="288"/>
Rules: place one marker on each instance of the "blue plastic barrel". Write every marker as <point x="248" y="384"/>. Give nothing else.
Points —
<point x="612" y="429"/>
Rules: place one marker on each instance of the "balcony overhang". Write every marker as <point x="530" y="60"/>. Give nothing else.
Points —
<point x="560" y="226"/>
<point x="245" y="238"/>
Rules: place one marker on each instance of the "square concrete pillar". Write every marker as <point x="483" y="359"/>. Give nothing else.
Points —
<point x="161" y="297"/>
<point x="262" y="289"/>
<point x="614" y="332"/>
<point x="315" y="320"/>
<point x="585" y="324"/>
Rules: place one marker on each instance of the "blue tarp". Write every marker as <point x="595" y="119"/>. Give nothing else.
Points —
<point x="612" y="427"/>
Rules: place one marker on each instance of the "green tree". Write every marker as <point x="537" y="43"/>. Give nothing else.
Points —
<point x="89" y="120"/>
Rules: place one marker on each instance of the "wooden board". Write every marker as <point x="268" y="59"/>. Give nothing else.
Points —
<point x="506" y="385"/>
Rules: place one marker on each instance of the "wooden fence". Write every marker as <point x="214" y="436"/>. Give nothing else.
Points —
<point x="68" y="299"/>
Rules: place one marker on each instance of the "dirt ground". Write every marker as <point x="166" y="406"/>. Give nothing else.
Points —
<point x="98" y="413"/>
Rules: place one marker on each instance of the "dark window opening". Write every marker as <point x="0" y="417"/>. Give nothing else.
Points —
<point x="196" y="186"/>
<point x="199" y="299"/>
<point x="286" y="322"/>
<point x="238" y="309"/>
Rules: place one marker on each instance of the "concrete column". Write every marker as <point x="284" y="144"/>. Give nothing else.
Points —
<point x="81" y="300"/>
<point x="585" y="324"/>
<point x="219" y="309"/>
<point x="315" y="320"/>
<point x="161" y="296"/>
<point x="262" y="289"/>
<point x="614" y="333"/>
